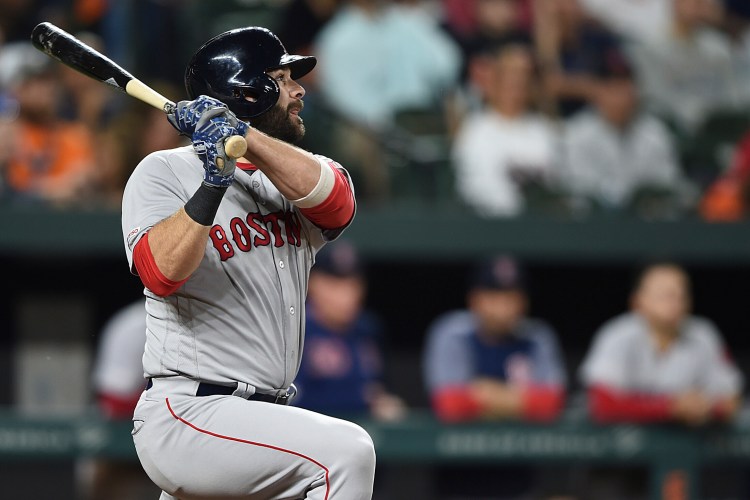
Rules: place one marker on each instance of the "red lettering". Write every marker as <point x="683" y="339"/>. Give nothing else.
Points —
<point x="256" y="230"/>
<point x="221" y="242"/>
<point x="255" y="221"/>
<point x="273" y="219"/>
<point x="292" y="225"/>
<point x="240" y="234"/>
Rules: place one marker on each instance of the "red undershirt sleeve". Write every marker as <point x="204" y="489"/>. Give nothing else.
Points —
<point x="152" y="278"/>
<point x="455" y="404"/>
<point x="543" y="403"/>
<point x="609" y="405"/>
<point x="337" y="209"/>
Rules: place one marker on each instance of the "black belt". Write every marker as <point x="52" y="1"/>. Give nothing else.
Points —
<point x="206" y="389"/>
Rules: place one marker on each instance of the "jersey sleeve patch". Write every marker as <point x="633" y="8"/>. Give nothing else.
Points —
<point x="132" y="235"/>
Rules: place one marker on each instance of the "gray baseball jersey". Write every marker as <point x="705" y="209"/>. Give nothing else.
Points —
<point x="240" y="316"/>
<point x="238" y="319"/>
<point x="623" y="356"/>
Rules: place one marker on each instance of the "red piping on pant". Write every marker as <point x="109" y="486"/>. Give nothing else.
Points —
<point x="229" y="438"/>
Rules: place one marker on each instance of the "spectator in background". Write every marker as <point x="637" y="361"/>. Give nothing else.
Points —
<point x="491" y="361"/>
<point x="655" y="364"/>
<point x="469" y="19"/>
<point x="118" y="372"/>
<point x="135" y="132"/>
<point x="52" y="160"/>
<point x="85" y="99"/>
<point x="633" y="20"/>
<point x="342" y="366"/>
<point x="613" y="150"/>
<point x="571" y="47"/>
<point x="686" y="70"/>
<point x="301" y="20"/>
<point x="8" y="117"/>
<point x="658" y="363"/>
<point x="118" y="383"/>
<point x="477" y="25"/>
<point x="506" y="146"/>
<point x="394" y="57"/>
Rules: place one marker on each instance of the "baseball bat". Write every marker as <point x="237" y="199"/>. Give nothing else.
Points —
<point x="61" y="45"/>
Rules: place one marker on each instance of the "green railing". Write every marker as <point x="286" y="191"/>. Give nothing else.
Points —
<point x="421" y="231"/>
<point x="420" y="439"/>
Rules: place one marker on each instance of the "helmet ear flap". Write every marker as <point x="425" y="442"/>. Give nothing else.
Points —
<point x="260" y="95"/>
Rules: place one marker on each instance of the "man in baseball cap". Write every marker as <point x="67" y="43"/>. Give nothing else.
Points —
<point x="491" y="361"/>
<point x="342" y="366"/>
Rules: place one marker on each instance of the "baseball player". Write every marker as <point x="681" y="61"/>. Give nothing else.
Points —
<point x="342" y="370"/>
<point x="491" y="361"/>
<point x="118" y="382"/>
<point x="224" y="249"/>
<point x="658" y="362"/>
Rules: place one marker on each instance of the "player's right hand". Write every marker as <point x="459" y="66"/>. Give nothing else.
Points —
<point x="215" y="126"/>
<point x="186" y="114"/>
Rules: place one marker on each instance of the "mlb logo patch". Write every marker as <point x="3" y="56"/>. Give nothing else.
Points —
<point x="131" y="236"/>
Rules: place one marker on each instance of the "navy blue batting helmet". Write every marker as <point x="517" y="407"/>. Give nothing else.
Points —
<point x="232" y="66"/>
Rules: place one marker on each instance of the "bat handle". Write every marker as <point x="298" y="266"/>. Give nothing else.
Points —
<point x="235" y="146"/>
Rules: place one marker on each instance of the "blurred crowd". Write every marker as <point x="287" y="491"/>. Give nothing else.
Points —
<point x="503" y="107"/>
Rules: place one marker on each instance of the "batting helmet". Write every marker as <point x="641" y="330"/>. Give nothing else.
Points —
<point x="231" y="67"/>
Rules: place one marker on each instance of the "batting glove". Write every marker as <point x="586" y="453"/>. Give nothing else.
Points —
<point x="215" y="126"/>
<point x="186" y="114"/>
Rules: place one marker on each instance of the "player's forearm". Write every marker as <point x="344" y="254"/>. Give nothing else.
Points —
<point x="178" y="244"/>
<point x="506" y="403"/>
<point x="293" y="171"/>
<point x="497" y="399"/>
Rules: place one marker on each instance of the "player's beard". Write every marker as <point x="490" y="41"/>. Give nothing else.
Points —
<point x="278" y="122"/>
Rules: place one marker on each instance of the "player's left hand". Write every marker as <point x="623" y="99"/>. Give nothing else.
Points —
<point x="215" y="127"/>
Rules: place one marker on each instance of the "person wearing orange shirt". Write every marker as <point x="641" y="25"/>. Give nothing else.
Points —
<point x="51" y="160"/>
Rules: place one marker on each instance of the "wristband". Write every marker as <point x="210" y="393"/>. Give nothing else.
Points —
<point x="204" y="204"/>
